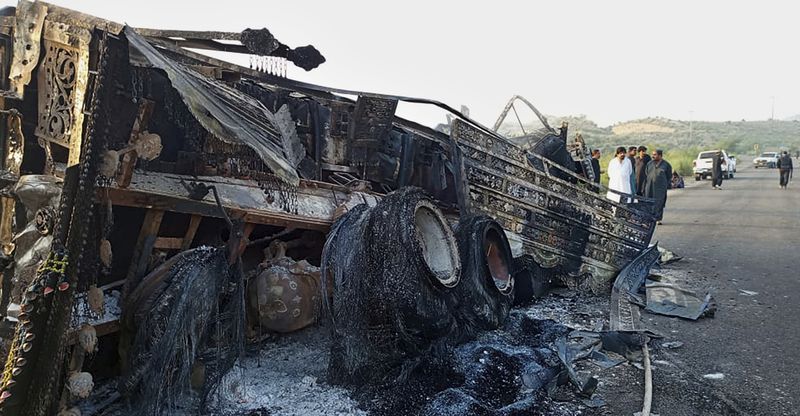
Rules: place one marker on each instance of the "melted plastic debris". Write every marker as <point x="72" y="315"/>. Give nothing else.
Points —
<point x="504" y="372"/>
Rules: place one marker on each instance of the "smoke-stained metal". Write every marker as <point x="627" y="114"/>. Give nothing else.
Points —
<point x="165" y="117"/>
<point x="230" y="116"/>
<point x="625" y="314"/>
<point x="27" y="45"/>
<point x="560" y="224"/>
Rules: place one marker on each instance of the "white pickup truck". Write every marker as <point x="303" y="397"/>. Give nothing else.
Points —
<point x="701" y="167"/>
<point x="766" y="160"/>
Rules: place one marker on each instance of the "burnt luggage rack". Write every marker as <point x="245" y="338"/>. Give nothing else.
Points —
<point x="560" y="223"/>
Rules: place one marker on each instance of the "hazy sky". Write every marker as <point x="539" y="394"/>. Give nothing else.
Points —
<point x="610" y="60"/>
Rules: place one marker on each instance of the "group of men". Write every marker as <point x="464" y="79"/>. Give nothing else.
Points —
<point x="634" y="172"/>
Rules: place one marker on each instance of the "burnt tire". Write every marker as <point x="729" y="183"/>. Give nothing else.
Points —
<point x="393" y="267"/>
<point x="485" y="293"/>
<point x="416" y="261"/>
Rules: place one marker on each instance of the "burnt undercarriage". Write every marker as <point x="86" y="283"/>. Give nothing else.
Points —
<point x="161" y="209"/>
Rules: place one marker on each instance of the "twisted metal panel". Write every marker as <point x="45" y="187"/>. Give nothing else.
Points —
<point x="560" y="223"/>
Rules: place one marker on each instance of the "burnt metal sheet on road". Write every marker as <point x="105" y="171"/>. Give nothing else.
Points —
<point x="625" y="314"/>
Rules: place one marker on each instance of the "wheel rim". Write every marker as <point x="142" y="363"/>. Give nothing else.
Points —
<point x="437" y="243"/>
<point x="498" y="259"/>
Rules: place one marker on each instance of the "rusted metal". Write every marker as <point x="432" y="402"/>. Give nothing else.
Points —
<point x="27" y="40"/>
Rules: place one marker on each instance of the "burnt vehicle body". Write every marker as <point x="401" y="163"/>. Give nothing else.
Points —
<point x="151" y="149"/>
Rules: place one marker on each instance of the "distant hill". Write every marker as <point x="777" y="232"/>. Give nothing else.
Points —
<point x="734" y="136"/>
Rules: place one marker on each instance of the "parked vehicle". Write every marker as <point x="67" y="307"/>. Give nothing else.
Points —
<point x="701" y="167"/>
<point x="766" y="160"/>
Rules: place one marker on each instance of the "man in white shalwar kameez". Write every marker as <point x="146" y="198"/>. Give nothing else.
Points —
<point x="619" y="175"/>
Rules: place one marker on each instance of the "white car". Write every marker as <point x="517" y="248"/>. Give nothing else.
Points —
<point x="766" y="160"/>
<point x="701" y="167"/>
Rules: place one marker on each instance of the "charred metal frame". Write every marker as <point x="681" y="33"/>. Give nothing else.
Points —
<point x="561" y="223"/>
<point x="359" y="152"/>
<point x="547" y="212"/>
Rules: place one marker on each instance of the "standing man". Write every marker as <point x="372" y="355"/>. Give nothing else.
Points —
<point x="596" y="165"/>
<point x="658" y="178"/>
<point x="619" y="176"/>
<point x="785" y="167"/>
<point x="632" y="159"/>
<point x="641" y="164"/>
<point x="716" y="170"/>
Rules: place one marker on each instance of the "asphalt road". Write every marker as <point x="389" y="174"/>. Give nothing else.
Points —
<point x="745" y="237"/>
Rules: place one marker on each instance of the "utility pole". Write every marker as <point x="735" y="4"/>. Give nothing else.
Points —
<point x="691" y="114"/>
<point x="772" y="113"/>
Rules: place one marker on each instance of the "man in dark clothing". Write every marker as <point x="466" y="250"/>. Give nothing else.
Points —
<point x="596" y="168"/>
<point x="641" y="163"/>
<point x="596" y="165"/>
<point x="658" y="178"/>
<point x="716" y="170"/>
<point x="632" y="157"/>
<point x="785" y="167"/>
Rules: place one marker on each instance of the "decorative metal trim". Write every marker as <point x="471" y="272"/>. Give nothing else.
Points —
<point x="560" y="223"/>
<point x="371" y="124"/>
<point x="63" y="75"/>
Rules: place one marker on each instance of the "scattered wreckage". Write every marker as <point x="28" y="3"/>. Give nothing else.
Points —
<point x="160" y="206"/>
